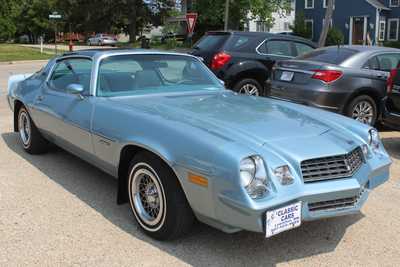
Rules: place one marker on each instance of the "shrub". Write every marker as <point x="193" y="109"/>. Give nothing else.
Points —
<point x="334" y="37"/>
<point x="300" y="28"/>
<point x="392" y="44"/>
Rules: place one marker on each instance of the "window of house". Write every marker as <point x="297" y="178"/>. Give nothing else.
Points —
<point x="393" y="29"/>
<point x="261" y="26"/>
<point x="286" y="26"/>
<point x="309" y="4"/>
<point x="382" y="29"/>
<point x="325" y="3"/>
<point x="394" y="3"/>
<point x="310" y="26"/>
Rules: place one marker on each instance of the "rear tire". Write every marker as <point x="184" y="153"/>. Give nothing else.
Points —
<point x="249" y="87"/>
<point x="363" y="109"/>
<point x="31" y="139"/>
<point x="156" y="198"/>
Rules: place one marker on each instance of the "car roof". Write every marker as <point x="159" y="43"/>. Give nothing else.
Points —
<point x="265" y="35"/>
<point x="365" y="48"/>
<point x="92" y="53"/>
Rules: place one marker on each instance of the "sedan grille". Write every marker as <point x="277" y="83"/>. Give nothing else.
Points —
<point x="334" y="167"/>
<point x="341" y="203"/>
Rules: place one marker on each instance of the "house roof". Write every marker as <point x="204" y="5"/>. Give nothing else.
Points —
<point x="378" y="4"/>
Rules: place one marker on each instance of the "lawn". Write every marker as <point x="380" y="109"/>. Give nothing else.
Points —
<point x="12" y="52"/>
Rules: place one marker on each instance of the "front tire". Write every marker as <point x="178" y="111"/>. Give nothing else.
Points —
<point x="31" y="139"/>
<point x="157" y="199"/>
<point x="363" y="109"/>
<point x="249" y="87"/>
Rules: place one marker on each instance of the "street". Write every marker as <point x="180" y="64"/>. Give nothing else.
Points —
<point x="56" y="210"/>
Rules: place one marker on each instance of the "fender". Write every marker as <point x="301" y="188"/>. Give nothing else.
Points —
<point x="248" y="65"/>
<point x="377" y="95"/>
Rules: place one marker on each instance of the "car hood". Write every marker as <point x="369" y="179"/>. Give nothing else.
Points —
<point x="235" y="117"/>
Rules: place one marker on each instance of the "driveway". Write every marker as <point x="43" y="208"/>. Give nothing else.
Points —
<point x="57" y="210"/>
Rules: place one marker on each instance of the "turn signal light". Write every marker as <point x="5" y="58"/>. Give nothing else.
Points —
<point x="219" y="60"/>
<point x="327" y="76"/>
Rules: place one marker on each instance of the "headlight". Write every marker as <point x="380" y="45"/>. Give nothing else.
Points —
<point x="253" y="176"/>
<point x="284" y="175"/>
<point x="374" y="141"/>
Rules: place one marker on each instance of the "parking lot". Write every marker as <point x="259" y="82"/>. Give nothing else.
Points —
<point x="57" y="210"/>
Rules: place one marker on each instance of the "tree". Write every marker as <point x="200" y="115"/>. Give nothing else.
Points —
<point x="239" y="12"/>
<point x="327" y="23"/>
<point x="300" y="27"/>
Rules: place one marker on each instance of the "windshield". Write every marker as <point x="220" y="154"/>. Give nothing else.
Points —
<point x="332" y="55"/>
<point x="145" y="74"/>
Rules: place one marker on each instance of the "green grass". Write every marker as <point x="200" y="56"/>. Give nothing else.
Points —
<point x="13" y="52"/>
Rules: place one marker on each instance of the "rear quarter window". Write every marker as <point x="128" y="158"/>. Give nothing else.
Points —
<point x="332" y="55"/>
<point x="279" y="48"/>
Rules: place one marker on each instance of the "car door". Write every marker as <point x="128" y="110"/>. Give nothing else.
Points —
<point x="393" y="102"/>
<point x="66" y="117"/>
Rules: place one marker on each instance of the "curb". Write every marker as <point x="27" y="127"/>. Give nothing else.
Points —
<point x="23" y="62"/>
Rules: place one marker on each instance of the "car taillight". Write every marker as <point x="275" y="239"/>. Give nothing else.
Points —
<point x="327" y="76"/>
<point x="219" y="60"/>
<point x="390" y="81"/>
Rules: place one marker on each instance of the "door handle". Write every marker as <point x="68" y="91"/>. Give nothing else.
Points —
<point x="39" y="98"/>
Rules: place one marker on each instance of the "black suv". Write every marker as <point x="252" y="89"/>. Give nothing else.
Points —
<point x="243" y="60"/>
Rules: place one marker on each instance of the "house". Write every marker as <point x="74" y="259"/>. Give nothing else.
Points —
<point x="282" y="22"/>
<point x="361" y="21"/>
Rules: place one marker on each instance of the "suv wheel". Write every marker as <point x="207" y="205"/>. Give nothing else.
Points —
<point x="249" y="87"/>
<point x="363" y="109"/>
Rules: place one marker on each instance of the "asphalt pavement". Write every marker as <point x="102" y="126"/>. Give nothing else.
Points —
<point x="56" y="210"/>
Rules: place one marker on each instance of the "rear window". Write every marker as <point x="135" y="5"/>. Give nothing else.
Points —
<point x="211" y="42"/>
<point x="332" y="55"/>
<point x="240" y="43"/>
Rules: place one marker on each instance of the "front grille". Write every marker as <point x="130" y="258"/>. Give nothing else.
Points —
<point x="334" y="167"/>
<point x="349" y="202"/>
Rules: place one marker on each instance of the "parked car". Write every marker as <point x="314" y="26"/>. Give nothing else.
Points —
<point x="350" y="80"/>
<point x="243" y="60"/>
<point x="392" y="101"/>
<point x="102" y="39"/>
<point x="182" y="147"/>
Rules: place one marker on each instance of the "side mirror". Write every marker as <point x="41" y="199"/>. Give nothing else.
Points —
<point x="75" y="88"/>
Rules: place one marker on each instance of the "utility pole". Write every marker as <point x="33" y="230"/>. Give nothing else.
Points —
<point x="226" y="15"/>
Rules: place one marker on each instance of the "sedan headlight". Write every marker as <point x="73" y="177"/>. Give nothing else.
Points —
<point x="374" y="141"/>
<point x="253" y="176"/>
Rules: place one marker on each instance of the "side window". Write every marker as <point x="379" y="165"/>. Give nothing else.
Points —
<point x="372" y="64"/>
<point x="302" y="48"/>
<point x="240" y="43"/>
<point x="279" y="48"/>
<point x="387" y="62"/>
<point x="68" y="71"/>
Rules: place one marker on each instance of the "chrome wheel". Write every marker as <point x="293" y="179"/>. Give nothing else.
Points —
<point x="363" y="112"/>
<point x="24" y="127"/>
<point x="249" y="89"/>
<point x="147" y="197"/>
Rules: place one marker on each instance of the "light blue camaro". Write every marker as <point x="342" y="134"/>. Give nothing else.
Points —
<point x="183" y="147"/>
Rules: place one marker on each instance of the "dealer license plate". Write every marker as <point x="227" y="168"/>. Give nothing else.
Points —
<point x="283" y="219"/>
<point x="287" y="76"/>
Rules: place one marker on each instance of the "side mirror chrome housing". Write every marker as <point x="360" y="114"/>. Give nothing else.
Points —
<point x="75" y="88"/>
